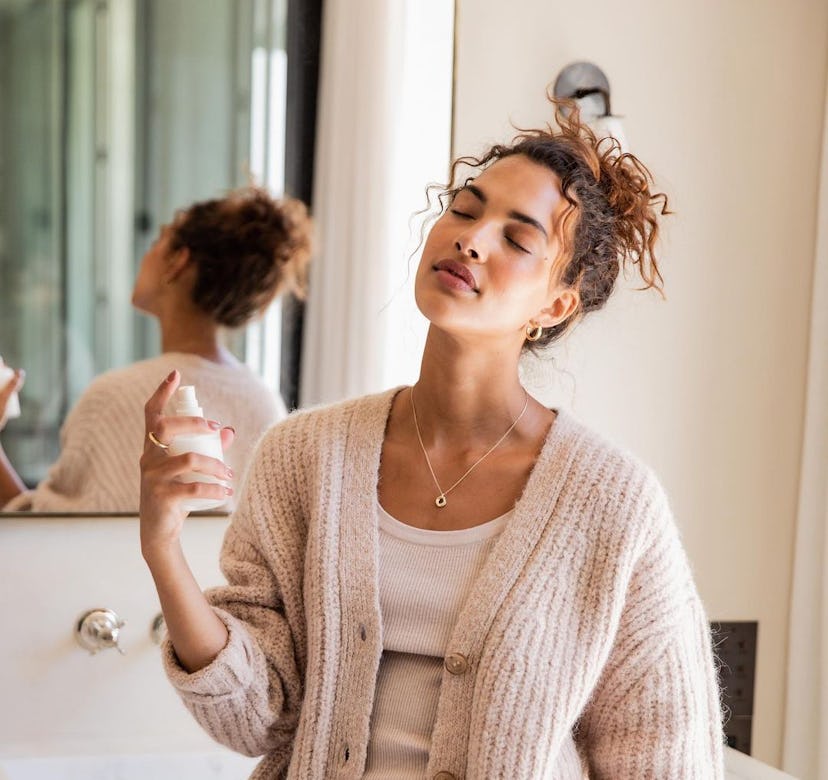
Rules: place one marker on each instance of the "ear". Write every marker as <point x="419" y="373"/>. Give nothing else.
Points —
<point x="560" y="308"/>
<point x="177" y="263"/>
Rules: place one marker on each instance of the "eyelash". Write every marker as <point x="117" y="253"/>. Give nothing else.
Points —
<point x="516" y="245"/>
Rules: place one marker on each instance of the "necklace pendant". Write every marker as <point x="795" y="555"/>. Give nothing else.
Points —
<point x="440" y="500"/>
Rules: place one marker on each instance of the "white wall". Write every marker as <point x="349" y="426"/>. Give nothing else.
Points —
<point x="724" y="101"/>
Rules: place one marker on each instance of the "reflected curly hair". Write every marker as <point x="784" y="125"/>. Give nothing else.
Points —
<point x="612" y="217"/>
<point x="247" y="248"/>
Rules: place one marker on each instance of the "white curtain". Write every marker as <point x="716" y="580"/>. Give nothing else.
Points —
<point x="383" y="132"/>
<point x="806" y="720"/>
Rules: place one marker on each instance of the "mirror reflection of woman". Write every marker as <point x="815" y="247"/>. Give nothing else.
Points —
<point x="218" y="264"/>
<point x="450" y="580"/>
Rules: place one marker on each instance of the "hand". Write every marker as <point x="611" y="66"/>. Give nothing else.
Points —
<point x="162" y="515"/>
<point x="12" y="386"/>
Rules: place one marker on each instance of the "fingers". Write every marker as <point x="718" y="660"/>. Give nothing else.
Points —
<point x="166" y="484"/>
<point x="167" y="428"/>
<point x="164" y="428"/>
<point x="169" y="494"/>
<point x="154" y="407"/>
<point x="175" y="466"/>
<point x="167" y="481"/>
<point x="228" y="435"/>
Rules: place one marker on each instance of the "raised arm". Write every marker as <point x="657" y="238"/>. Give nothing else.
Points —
<point x="232" y="653"/>
<point x="196" y="632"/>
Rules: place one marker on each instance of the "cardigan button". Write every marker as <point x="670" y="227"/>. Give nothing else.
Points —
<point x="444" y="776"/>
<point x="456" y="663"/>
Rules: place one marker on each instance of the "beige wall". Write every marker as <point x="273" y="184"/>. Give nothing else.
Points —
<point x="724" y="101"/>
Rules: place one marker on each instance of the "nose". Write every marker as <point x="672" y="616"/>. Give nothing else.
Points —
<point x="465" y="248"/>
<point x="474" y="240"/>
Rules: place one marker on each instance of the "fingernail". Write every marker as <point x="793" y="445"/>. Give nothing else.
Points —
<point x="213" y="424"/>
<point x="170" y="376"/>
<point x="231" y="428"/>
<point x="229" y="491"/>
<point x="228" y="472"/>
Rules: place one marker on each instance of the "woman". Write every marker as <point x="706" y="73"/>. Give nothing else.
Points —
<point x="217" y="265"/>
<point x="450" y="580"/>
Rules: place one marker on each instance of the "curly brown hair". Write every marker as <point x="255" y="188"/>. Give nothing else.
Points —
<point x="612" y="217"/>
<point x="247" y="248"/>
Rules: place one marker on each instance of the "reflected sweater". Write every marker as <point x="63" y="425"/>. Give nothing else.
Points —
<point x="102" y="439"/>
<point x="583" y="623"/>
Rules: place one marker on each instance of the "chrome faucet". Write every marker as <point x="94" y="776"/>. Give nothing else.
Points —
<point x="99" y="629"/>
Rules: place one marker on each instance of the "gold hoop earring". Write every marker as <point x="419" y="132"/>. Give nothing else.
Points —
<point x="533" y="333"/>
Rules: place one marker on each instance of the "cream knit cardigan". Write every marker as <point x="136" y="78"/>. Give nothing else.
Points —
<point x="584" y="619"/>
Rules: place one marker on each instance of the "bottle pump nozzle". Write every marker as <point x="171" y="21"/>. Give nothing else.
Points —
<point x="185" y="402"/>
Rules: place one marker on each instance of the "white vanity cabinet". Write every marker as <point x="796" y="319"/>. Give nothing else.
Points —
<point x="63" y="707"/>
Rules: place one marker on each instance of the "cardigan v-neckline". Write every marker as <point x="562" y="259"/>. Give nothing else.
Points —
<point x="372" y="434"/>
<point x="530" y="515"/>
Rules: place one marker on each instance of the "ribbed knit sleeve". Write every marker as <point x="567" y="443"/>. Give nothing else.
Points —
<point x="249" y="697"/>
<point x="655" y="712"/>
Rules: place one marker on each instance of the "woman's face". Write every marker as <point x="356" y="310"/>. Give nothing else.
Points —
<point x="488" y="265"/>
<point x="150" y="279"/>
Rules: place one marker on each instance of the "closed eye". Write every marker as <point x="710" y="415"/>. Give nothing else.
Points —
<point x="517" y="246"/>
<point x="462" y="214"/>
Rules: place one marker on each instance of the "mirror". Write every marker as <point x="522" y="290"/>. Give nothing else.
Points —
<point x="121" y="113"/>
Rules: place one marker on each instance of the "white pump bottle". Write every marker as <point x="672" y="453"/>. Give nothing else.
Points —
<point x="13" y="406"/>
<point x="186" y="405"/>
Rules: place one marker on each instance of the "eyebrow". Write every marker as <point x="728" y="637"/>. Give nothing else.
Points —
<point x="518" y="215"/>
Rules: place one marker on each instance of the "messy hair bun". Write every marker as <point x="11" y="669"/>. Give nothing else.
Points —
<point x="612" y="219"/>
<point x="247" y="248"/>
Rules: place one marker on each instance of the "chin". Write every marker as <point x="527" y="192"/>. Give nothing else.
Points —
<point x="140" y="305"/>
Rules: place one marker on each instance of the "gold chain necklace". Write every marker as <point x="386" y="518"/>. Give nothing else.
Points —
<point x="440" y="501"/>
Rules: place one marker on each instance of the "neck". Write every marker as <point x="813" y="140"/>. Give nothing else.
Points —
<point x="467" y="391"/>
<point x="193" y="333"/>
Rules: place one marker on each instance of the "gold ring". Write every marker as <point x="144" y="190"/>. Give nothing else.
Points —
<point x="152" y="437"/>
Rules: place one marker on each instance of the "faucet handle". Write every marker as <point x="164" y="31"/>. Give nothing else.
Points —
<point x="99" y="629"/>
<point x="158" y="628"/>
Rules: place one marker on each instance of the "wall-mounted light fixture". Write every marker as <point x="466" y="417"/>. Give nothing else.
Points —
<point x="587" y="85"/>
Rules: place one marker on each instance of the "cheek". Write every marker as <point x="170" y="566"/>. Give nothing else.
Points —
<point x="523" y="272"/>
<point x="523" y="286"/>
<point x="423" y="267"/>
<point x="431" y="250"/>
<point x="146" y="273"/>
<point x="438" y="235"/>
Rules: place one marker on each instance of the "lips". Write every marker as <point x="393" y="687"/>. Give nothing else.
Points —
<point x="459" y="271"/>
